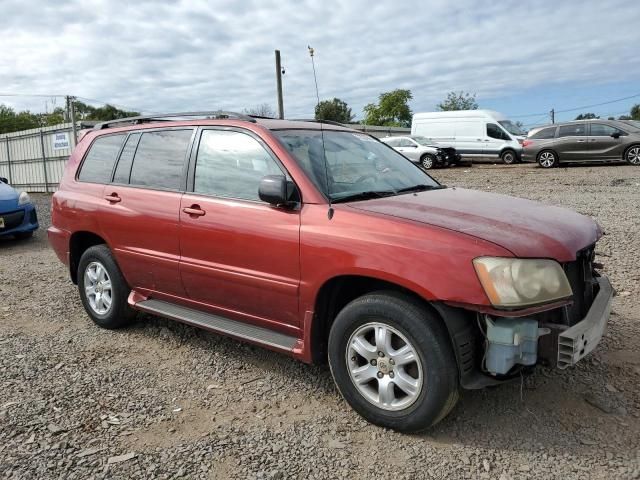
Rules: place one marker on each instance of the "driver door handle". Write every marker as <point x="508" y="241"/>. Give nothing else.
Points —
<point x="194" y="210"/>
<point x="113" y="198"/>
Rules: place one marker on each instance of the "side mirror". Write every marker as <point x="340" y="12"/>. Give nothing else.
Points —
<point x="4" y="180"/>
<point x="273" y="190"/>
<point x="615" y="135"/>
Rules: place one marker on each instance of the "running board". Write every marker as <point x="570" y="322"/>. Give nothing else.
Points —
<point x="216" y="323"/>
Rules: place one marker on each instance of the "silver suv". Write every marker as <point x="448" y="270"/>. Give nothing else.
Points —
<point x="583" y="141"/>
<point x="423" y="151"/>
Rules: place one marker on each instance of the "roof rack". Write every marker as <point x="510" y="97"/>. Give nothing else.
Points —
<point x="328" y="122"/>
<point x="217" y="115"/>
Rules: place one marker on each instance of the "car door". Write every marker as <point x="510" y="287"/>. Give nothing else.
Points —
<point x="408" y="148"/>
<point x="140" y="211"/>
<point x="571" y="142"/>
<point x="240" y="256"/>
<point x="469" y="138"/>
<point x="606" y="142"/>
<point x="495" y="138"/>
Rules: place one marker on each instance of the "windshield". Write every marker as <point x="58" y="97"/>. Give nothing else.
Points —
<point x="357" y="165"/>
<point x="512" y="128"/>
<point x="423" y="140"/>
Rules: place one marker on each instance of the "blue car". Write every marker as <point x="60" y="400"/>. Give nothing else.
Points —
<point x="17" y="213"/>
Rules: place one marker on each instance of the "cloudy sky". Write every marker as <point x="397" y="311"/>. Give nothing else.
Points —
<point x="193" y="55"/>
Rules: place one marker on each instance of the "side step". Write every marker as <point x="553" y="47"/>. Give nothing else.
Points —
<point x="208" y="321"/>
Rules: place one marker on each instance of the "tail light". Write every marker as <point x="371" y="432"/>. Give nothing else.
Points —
<point x="526" y="143"/>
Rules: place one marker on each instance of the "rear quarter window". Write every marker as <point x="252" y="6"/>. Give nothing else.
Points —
<point x="544" y="134"/>
<point x="98" y="163"/>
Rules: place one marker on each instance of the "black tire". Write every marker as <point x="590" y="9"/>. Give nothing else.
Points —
<point x="428" y="161"/>
<point x="509" y="157"/>
<point x="632" y="155"/>
<point x="428" y="337"/>
<point x="119" y="313"/>
<point x="23" y="235"/>
<point x="548" y="159"/>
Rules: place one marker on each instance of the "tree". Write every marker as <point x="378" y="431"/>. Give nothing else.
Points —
<point x="262" y="110"/>
<point x="624" y="117"/>
<point x="587" y="116"/>
<point x="635" y="112"/>
<point x="335" y="110"/>
<point x="611" y="118"/>
<point x="10" y="121"/>
<point x="458" y="101"/>
<point x="392" y="109"/>
<point x="520" y="125"/>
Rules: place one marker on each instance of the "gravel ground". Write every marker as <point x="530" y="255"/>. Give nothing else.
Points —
<point x="163" y="400"/>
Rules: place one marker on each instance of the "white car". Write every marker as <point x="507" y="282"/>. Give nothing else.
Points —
<point x="423" y="151"/>
<point x="476" y="134"/>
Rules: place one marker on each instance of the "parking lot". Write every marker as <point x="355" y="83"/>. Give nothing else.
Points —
<point x="164" y="400"/>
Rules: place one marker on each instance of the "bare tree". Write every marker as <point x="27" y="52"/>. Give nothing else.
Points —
<point x="262" y="110"/>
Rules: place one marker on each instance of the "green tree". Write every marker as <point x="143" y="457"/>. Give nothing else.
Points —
<point x="624" y="117"/>
<point x="335" y="110"/>
<point x="586" y="116"/>
<point x="392" y="109"/>
<point x="635" y="112"/>
<point x="458" y="101"/>
<point x="10" y="121"/>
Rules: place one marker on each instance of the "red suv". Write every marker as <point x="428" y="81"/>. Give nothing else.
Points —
<point x="324" y="243"/>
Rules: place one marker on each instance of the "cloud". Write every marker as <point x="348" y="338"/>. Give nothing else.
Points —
<point x="194" y="55"/>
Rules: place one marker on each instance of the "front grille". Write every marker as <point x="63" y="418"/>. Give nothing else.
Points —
<point x="12" y="219"/>
<point x="581" y="278"/>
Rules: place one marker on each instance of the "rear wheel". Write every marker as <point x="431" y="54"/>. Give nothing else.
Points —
<point x="103" y="289"/>
<point x="428" y="161"/>
<point x="392" y="361"/>
<point x="633" y="155"/>
<point x="509" y="157"/>
<point x="547" y="159"/>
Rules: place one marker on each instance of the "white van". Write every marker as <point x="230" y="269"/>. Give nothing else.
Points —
<point x="475" y="134"/>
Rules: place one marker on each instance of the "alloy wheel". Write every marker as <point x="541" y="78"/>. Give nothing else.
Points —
<point x="633" y="156"/>
<point x="547" y="159"/>
<point x="97" y="286"/>
<point x="427" y="162"/>
<point x="384" y="366"/>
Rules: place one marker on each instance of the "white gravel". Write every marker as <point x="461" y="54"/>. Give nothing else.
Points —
<point x="163" y="400"/>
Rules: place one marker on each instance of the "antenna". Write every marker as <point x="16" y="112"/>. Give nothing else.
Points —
<point x="324" y="151"/>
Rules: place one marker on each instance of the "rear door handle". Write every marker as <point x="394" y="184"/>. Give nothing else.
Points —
<point x="194" y="210"/>
<point x="581" y="141"/>
<point x="113" y="198"/>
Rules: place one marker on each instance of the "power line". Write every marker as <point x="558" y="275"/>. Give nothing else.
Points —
<point x="598" y="104"/>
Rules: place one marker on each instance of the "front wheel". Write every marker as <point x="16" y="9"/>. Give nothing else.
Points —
<point x="391" y="359"/>
<point x="509" y="157"/>
<point x="633" y="155"/>
<point x="103" y="289"/>
<point x="547" y="159"/>
<point x="428" y="161"/>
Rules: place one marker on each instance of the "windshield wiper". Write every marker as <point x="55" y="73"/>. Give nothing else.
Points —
<point x="421" y="187"/>
<point x="369" y="194"/>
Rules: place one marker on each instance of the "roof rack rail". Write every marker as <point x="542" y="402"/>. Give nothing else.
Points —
<point x="313" y="120"/>
<point x="217" y="114"/>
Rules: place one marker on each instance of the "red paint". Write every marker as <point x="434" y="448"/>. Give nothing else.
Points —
<point x="264" y="265"/>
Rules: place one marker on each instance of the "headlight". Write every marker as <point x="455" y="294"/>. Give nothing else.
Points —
<point x="23" y="198"/>
<point x="513" y="282"/>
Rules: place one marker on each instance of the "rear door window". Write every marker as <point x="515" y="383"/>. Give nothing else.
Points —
<point x="603" y="130"/>
<point x="578" y="130"/>
<point x="160" y="159"/>
<point x="544" y="134"/>
<point x="98" y="164"/>
<point x="232" y="164"/>
<point x="123" y="169"/>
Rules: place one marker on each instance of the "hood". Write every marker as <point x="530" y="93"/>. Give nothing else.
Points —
<point x="8" y="197"/>
<point x="524" y="227"/>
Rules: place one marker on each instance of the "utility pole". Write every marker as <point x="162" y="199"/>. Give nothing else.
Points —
<point x="72" y="114"/>
<point x="279" y="83"/>
<point x="553" y="116"/>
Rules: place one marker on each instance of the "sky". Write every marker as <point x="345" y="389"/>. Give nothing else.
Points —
<point x="521" y="58"/>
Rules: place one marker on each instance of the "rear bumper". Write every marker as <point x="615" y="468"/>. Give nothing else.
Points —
<point x="59" y="241"/>
<point x="579" y="340"/>
<point x="22" y="220"/>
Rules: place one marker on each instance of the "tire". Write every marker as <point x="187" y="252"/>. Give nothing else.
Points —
<point x="433" y="384"/>
<point x="23" y="235"/>
<point x="509" y="157"/>
<point x="632" y="155"/>
<point x="97" y="267"/>
<point x="428" y="161"/>
<point x="548" y="159"/>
